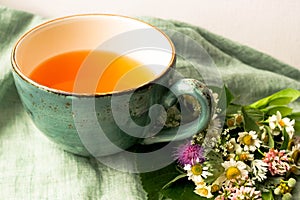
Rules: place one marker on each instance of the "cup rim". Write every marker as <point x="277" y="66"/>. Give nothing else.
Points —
<point x="18" y="71"/>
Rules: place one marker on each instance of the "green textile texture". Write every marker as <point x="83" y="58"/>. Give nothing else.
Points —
<point x="32" y="167"/>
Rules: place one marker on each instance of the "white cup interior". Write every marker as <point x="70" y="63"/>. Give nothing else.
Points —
<point x="118" y="34"/>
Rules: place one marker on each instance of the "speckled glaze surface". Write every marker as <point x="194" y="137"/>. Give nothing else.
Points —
<point x="53" y="114"/>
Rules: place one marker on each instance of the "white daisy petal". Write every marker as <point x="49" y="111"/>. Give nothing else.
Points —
<point x="234" y="170"/>
<point x="249" y="140"/>
<point x="204" y="191"/>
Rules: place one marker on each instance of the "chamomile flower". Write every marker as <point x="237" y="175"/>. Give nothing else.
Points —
<point x="235" y="121"/>
<point x="204" y="191"/>
<point x="249" y="140"/>
<point x="232" y="146"/>
<point x="245" y="156"/>
<point x="259" y="170"/>
<point x="238" y="118"/>
<point x="234" y="170"/>
<point x="197" y="172"/>
<point x="276" y="121"/>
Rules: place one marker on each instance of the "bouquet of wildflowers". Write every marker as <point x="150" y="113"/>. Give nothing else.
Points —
<point x="254" y="155"/>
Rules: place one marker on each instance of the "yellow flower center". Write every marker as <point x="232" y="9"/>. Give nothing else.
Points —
<point x="239" y="119"/>
<point x="202" y="191"/>
<point x="281" y="123"/>
<point x="197" y="169"/>
<point x="230" y="146"/>
<point x="201" y="183"/>
<point x="247" y="140"/>
<point x="233" y="173"/>
<point x="215" y="188"/>
<point x="243" y="157"/>
<point x="230" y="122"/>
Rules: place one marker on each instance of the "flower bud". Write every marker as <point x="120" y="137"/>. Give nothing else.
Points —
<point x="215" y="188"/>
<point x="238" y="119"/>
<point x="287" y="196"/>
<point x="230" y="122"/>
<point x="292" y="182"/>
<point x="277" y="191"/>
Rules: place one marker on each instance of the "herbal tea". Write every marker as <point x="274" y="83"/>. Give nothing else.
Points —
<point x="92" y="72"/>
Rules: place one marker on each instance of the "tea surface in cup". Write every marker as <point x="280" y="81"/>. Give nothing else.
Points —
<point x="116" y="72"/>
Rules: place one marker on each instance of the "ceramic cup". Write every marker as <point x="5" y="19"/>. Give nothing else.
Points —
<point x="100" y="124"/>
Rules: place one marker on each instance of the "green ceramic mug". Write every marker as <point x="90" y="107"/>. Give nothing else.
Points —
<point x="100" y="124"/>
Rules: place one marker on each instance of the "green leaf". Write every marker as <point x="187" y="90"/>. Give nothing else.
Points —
<point x="229" y="96"/>
<point x="288" y="92"/>
<point x="280" y="101"/>
<point x="182" y="190"/>
<point x="153" y="182"/>
<point x="233" y="109"/>
<point x="261" y="103"/>
<point x="267" y="195"/>
<point x="284" y="96"/>
<point x="295" y="115"/>
<point x="286" y="139"/>
<point x="284" y="110"/>
<point x="252" y="117"/>
<point x="271" y="139"/>
<point x="214" y="161"/>
<point x="297" y="128"/>
<point x="225" y="98"/>
<point x="174" y="180"/>
<point x="178" y="188"/>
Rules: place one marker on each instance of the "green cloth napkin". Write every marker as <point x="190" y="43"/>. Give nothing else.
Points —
<point x="32" y="167"/>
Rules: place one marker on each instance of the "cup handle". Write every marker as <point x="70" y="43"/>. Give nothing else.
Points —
<point x="203" y="95"/>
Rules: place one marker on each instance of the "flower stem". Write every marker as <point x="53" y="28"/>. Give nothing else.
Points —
<point x="263" y="154"/>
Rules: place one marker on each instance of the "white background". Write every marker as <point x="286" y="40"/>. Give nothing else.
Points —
<point x="271" y="26"/>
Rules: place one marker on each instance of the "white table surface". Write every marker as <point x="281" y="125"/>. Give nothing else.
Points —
<point x="271" y="26"/>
